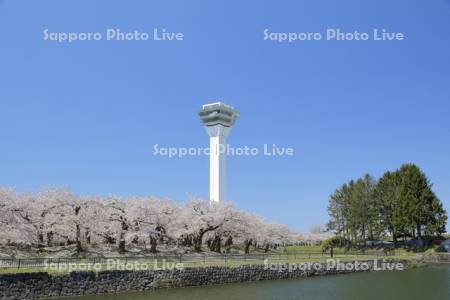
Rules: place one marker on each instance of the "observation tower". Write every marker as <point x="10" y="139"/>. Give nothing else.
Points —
<point x="218" y="118"/>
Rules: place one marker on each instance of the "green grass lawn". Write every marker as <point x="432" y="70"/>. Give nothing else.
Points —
<point x="291" y="254"/>
<point x="310" y="257"/>
<point x="316" y="249"/>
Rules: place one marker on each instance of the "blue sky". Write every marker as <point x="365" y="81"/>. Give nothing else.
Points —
<point x="86" y="115"/>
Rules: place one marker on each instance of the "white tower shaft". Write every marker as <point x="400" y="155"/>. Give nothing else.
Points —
<point x="217" y="169"/>
<point x="217" y="162"/>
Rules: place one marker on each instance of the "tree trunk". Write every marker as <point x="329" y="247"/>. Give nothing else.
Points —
<point x="394" y="236"/>
<point x="87" y="236"/>
<point x="216" y="244"/>
<point x="40" y="237"/>
<point x="49" y="238"/>
<point x="209" y="243"/>
<point x="124" y="229"/>
<point x="419" y="231"/>
<point x="153" y="244"/>
<point x="228" y="244"/>
<point x="198" y="240"/>
<point x="122" y="249"/>
<point x="419" y="236"/>
<point x="187" y="241"/>
<point x="247" y="244"/>
<point x="78" y="239"/>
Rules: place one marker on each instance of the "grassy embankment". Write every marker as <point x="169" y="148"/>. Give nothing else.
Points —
<point x="294" y="254"/>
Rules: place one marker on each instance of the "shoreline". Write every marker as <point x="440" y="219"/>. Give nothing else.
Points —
<point x="43" y="285"/>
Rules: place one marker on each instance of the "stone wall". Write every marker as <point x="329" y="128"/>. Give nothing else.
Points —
<point x="43" y="285"/>
<point x="435" y="257"/>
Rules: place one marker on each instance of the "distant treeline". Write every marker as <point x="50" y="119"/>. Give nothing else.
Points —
<point x="400" y="204"/>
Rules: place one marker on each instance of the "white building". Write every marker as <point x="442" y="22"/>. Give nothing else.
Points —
<point x="218" y="118"/>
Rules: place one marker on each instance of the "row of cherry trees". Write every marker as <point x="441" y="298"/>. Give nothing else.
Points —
<point x="59" y="217"/>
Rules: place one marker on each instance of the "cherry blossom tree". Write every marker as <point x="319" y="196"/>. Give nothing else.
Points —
<point x="58" y="216"/>
<point x="153" y="219"/>
<point x="200" y="217"/>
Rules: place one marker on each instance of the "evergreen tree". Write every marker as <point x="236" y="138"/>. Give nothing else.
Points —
<point x="390" y="210"/>
<point x="400" y="203"/>
<point x="424" y="211"/>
